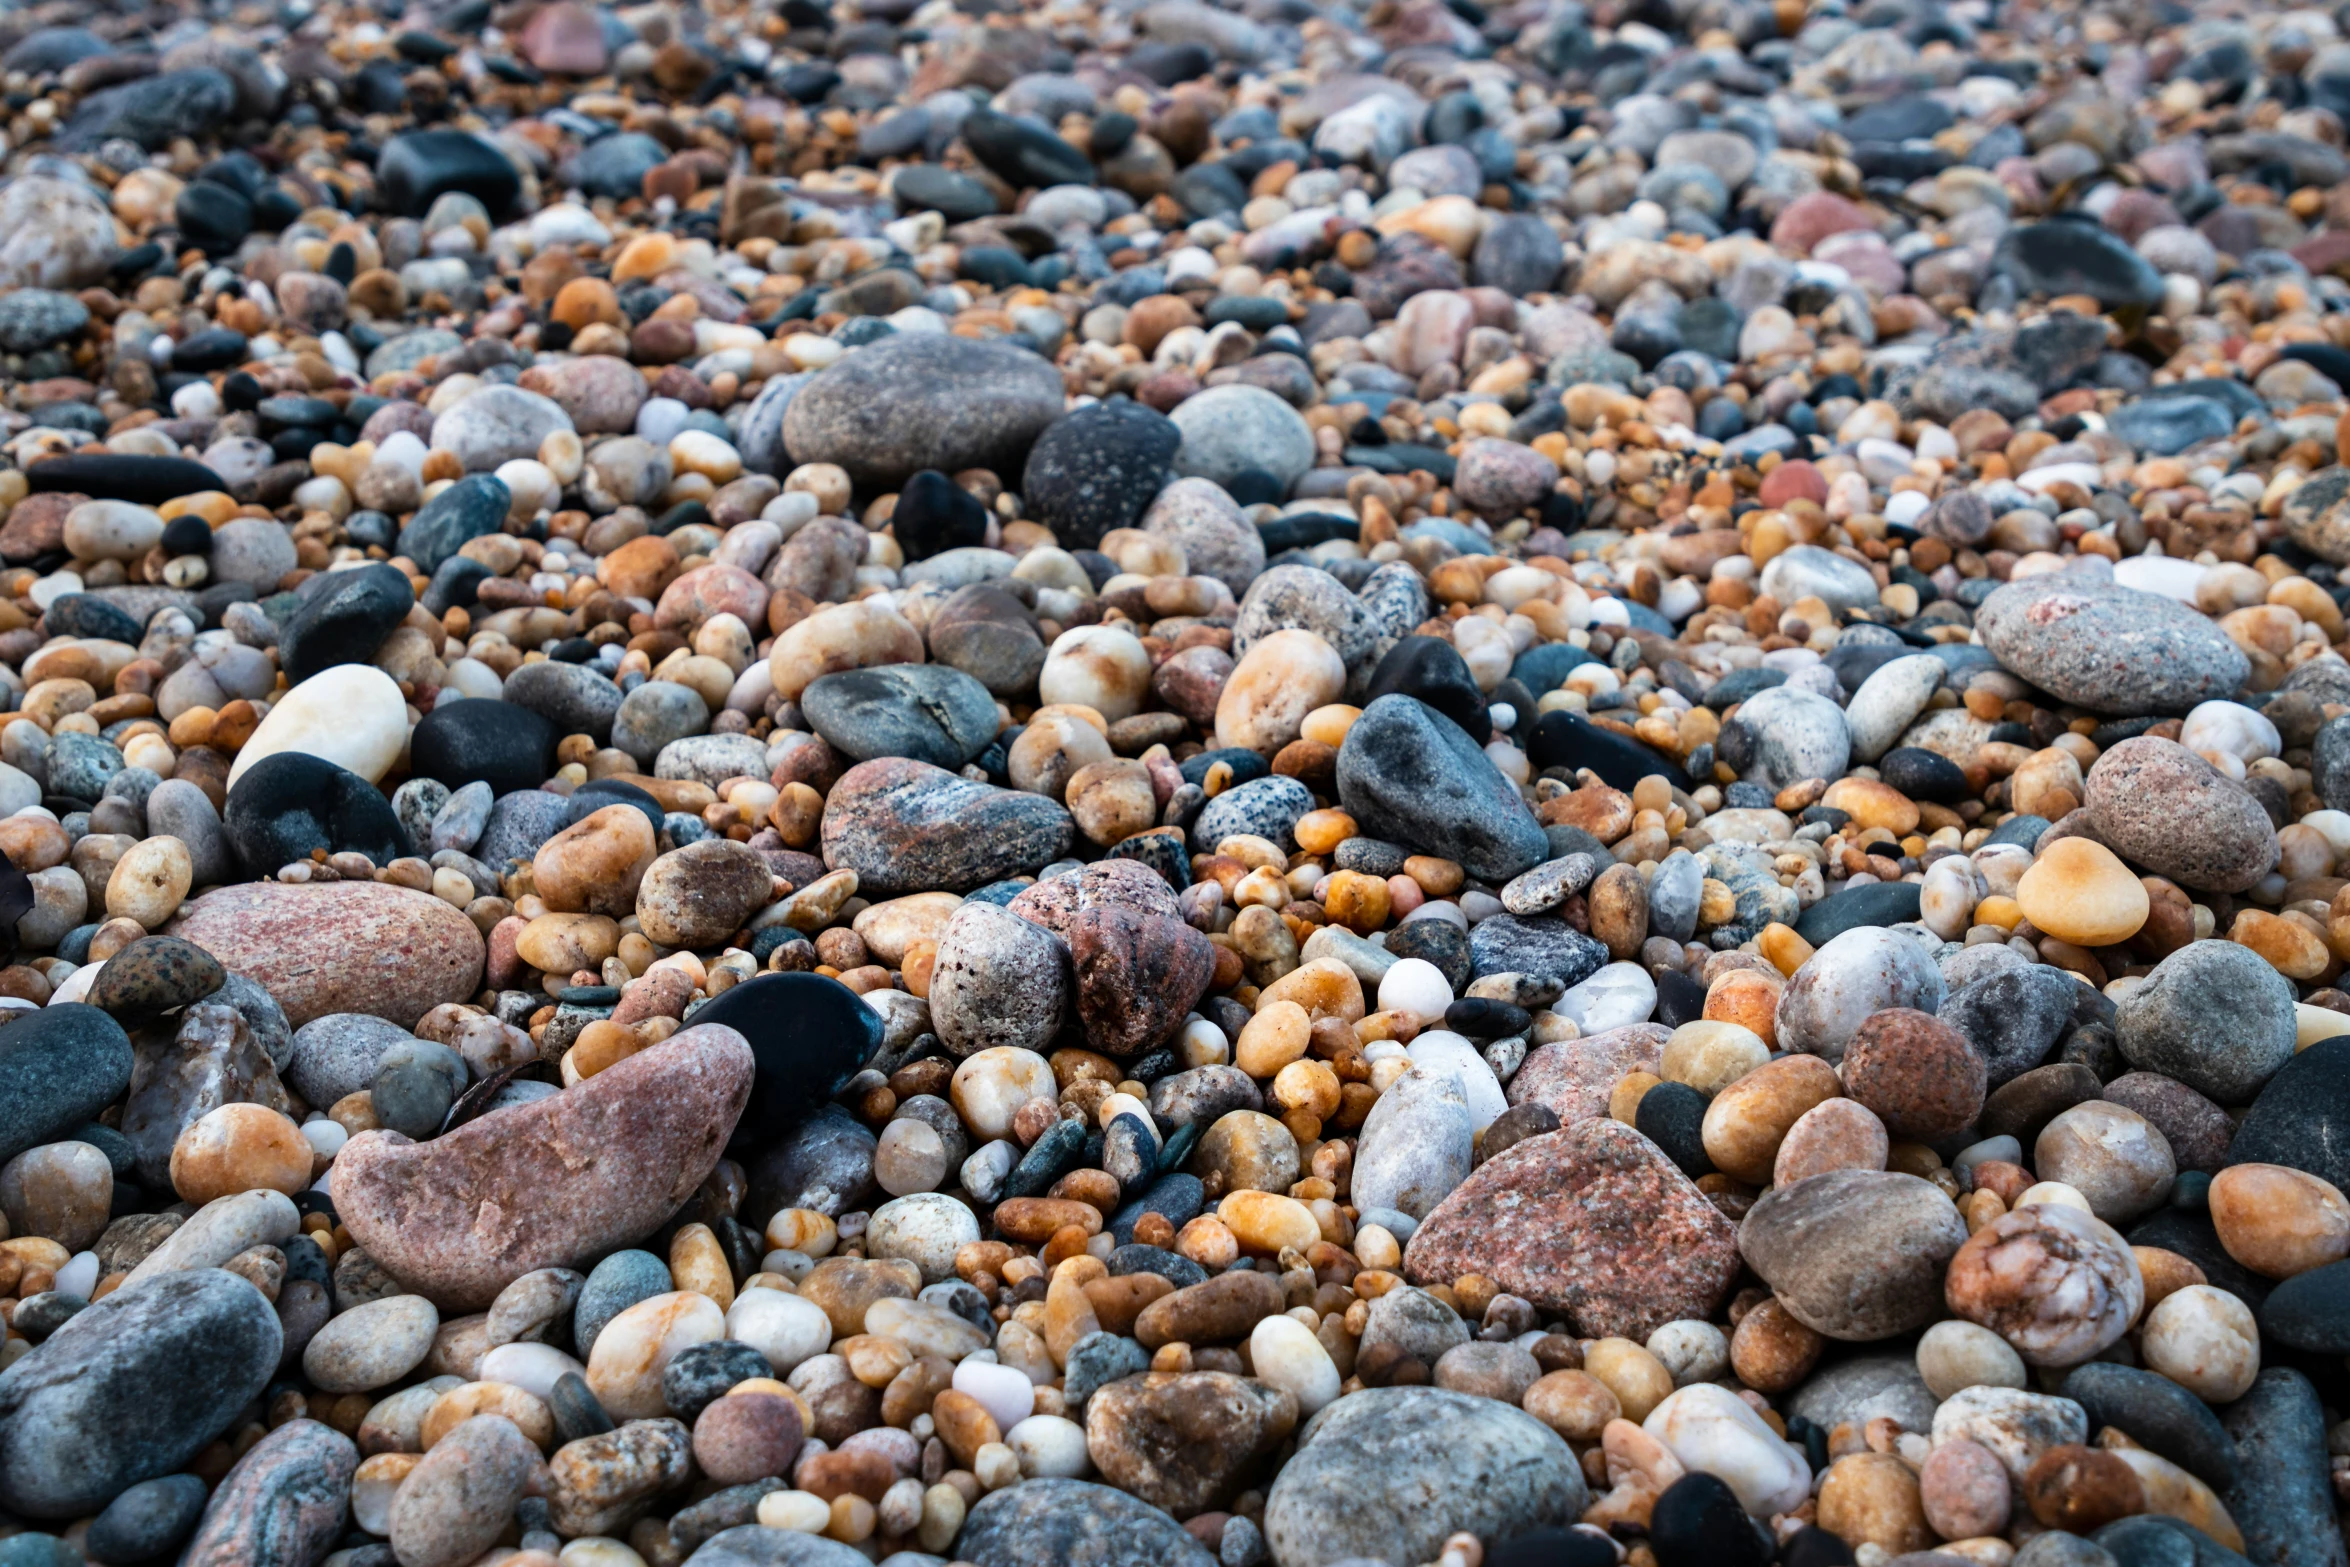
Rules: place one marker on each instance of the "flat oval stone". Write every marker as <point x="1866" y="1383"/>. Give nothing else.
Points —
<point x="808" y="1033"/>
<point x="124" y="476"/>
<point x="905" y="826"/>
<point x="553" y="1183"/>
<point x="285" y="1501"/>
<point x="924" y="711"/>
<point x="320" y="948"/>
<point x="131" y="1388"/>
<point x="345" y="622"/>
<point x="59" y="1067"/>
<point x="1048" y="1523"/>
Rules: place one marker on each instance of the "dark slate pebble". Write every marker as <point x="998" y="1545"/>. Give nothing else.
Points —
<point x="809" y="1034"/>
<point x="1177" y="1196"/>
<point x="1698" y="1522"/>
<point x="1481" y="1017"/>
<point x="700" y="1376"/>
<point x="1924" y="775"/>
<point x="2021" y="830"/>
<point x="1571" y="741"/>
<point x="1885" y="903"/>
<point x="122" y="476"/>
<point x="1055" y="1523"/>
<point x="489" y="741"/>
<point x="2283" y="1499"/>
<point x="1679" y="999"/>
<point x="1440" y="942"/>
<point x="131" y="1389"/>
<point x="1544" y="667"/>
<point x="472" y="507"/>
<point x="934" y="514"/>
<point x="346" y="621"/>
<point x="1672" y="1116"/>
<point x="81" y="766"/>
<point x="1409" y="773"/>
<point x="88" y="615"/>
<point x="416" y="1081"/>
<point x="926" y="711"/>
<point x="2157" y="1413"/>
<point x="2158" y="1540"/>
<point x="1551" y="1547"/>
<point x="1552" y="948"/>
<point x="417" y="169"/>
<point x="2310" y="1311"/>
<point x="1435" y="672"/>
<point x="2302" y="1117"/>
<point x="288" y="804"/>
<point x="613" y="1285"/>
<point x="147" y="1521"/>
<point x="59" y="1067"/>
<point x="1812" y="1546"/>
<point x="2013" y="1017"/>
<point x="1096" y="469"/>
<point x="1247" y="766"/>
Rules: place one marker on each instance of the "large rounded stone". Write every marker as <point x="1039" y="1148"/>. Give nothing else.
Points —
<point x="953" y="403"/>
<point x="2159" y="805"/>
<point x="349" y="946"/>
<point x="1854" y="1254"/>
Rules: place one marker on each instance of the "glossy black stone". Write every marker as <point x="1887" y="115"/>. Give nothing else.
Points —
<point x="934" y="514"/>
<point x="1435" y="672"/>
<point x="345" y="620"/>
<point x="492" y="742"/>
<point x="1699" y="1523"/>
<point x="289" y="804"/>
<point x="809" y="1034"/>
<point x="1570" y="740"/>
<point x="121" y="476"/>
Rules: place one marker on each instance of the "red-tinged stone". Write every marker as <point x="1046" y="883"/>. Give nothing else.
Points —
<point x="283" y="1502"/>
<point x="2326" y="252"/>
<point x="707" y="591"/>
<point x="1186" y="1442"/>
<point x="1795" y="480"/>
<point x="1574" y="1078"/>
<point x="552" y="1184"/>
<point x="1105" y="884"/>
<point x="36" y="525"/>
<point x="1137" y="975"/>
<point x="505" y="968"/>
<point x="350" y="946"/>
<point x="566" y="38"/>
<point x="1592" y="1222"/>
<point x="1808" y="219"/>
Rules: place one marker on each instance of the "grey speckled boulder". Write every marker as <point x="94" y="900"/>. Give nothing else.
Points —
<point x="1073" y="1523"/>
<point x="1390" y="1472"/>
<point x="2109" y="648"/>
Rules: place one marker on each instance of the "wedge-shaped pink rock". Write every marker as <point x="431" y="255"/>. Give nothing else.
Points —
<point x="554" y="1183"/>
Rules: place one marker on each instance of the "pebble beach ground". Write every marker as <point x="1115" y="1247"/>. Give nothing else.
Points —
<point x="1141" y="784"/>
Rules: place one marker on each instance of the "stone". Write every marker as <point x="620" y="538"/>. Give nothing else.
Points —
<point x="1784" y="735"/>
<point x="504" y="745"/>
<point x="1096" y="469"/>
<point x="905" y="826"/>
<point x="338" y="1054"/>
<point x="1920" y="1076"/>
<point x="1623" y="1243"/>
<point x="54" y="233"/>
<point x="957" y="403"/>
<point x="2158" y="1413"/>
<point x="1266" y="808"/>
<point x="2302" y="1117"/>
<point x="148" y="1520"/>
<point x="1548" y="948"/>
<point x="1415" y="1146"/>
<point x="1186" y="1442"/>
<point x="1391" y="1473"/>
<point x="59" y="1067"/>
<point x="1713" y="1431"/>
<point x="2162" y="806"/>
<point x="131" y="1388"/>
<point x="2110" y="649"/>
<point x="472" y="507"/>
<point x="1845" y="982"/>
<point x="423" y="1209"/>
<point x="1136" y="976"/>
<point x="2213" y="1015"/>
<point x="285" y="1500"/>
<point x="1407" y="773"/>
<point x="333" y="947"/>
<point x="1073" y="1523"/>
<point x="460" y="1496"/>
<point x="2013" y="1017"/>
<point x="2077" y="258"/>
<point x="999" y="981"/>
<point x="1854" y="1254"/>
<point x="2112" y="1156"/>
<point x="2282" y="1499"/>
<point x="415" y="170"/>
<point x="928" y="712"/>
<point x="701" y="894"/>
<point x="2056" y="1283"/>
<point x="1231" y="430"/>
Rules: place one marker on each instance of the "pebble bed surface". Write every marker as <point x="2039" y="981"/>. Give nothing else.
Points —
<point x="1148" y="783"/>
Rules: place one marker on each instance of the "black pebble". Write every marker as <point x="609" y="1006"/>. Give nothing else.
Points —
<point x="187" y="535"/>
<point x="1924" y="775"/>
<point x="1481" y="1017"/>
<point x="1698" y="1523"/>
<point x="934" y="515"/>
<point x="809" y="1034"/>
<point x="493" y="742"/>
<point x="700" y="1376"/>
<point x="1679" y="999"/>
<point x="1435" y="672"/>
<point x="1813" y="1547"/>
<point x="289" y="804"/>
<point x="1672" y="1116"/>
<point x="1553" y="1548"/>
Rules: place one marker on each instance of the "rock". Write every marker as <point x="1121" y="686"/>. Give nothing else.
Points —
<point x="338" y="1054"/>
<point x="572" y="697"/>
<point x="905" y="826"/>
<point x="1096" y="468"/>
<point x="1137" y="975"/>
<point x="2213" y="1015"/>
<point x="1415" y="1147"/>
<point x="1887" y="703"/>
<point x="53" y="234"/>
<point x="999" y="981"/>
<point x="212" y="1061"/>
<point x="286" y="1500"/>
<point x="1846" y="981"/>
<point x="1186" y="1442"/>
<point x="2108" y="648"/>
<point x="1713" y="1431"/>
<point x="2302" y="1118"/>
<point x="2077" y="258"/>
<point x="130" y="1388"/>
<point x="504" y="745"/>
<point x="2282" y="1499"/>
<point x="1854" y="1254"/>
<point x="1699" y="1518"/>
<point x="1472" y="1465"/>
<point x="2157" y="1413"/>
<point x="1072" y="1523"/>
<point x="1586" y="1257"/>
<point x="1266" y="808"/>
<point x="472" y="507"/>
<point x="928" y="712"/>
<point x="957" y="403"/>
<point x="330" y="947"/>
<point x="1918" y="1074"/>
<point x="701" y="894"/>
<point x="415" y="170"/>
<point x="753" y="1545"/>
<point x="351" y="716"/>
<point x="1407" y="773"/>
<point x="423" y="1210"/>
<point x="1216" y="540"/>
<point x="59" y="1067"/>
<point x="460" y="1496"/>
<point x="2056" y="1283"/>
<point x="1859" y="1389"/>
<point x="2160" y="805"/>
<point x="148" y="1520"/>
<point x="1544" y="947"/>
<point x="151" y="111"/>
<point x="1231" y="430"/>
<point x="2013" y="1017"/>
<point x="372" y="1345"/>
<point x="345" y="623"/>
<point x="1784" y="735"/>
